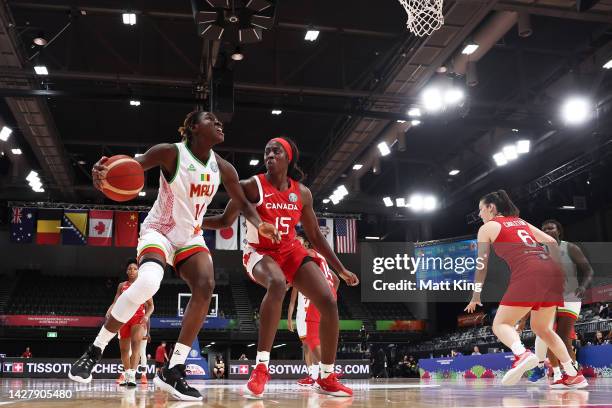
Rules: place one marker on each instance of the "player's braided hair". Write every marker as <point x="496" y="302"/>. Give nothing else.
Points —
<point x="294" y="170"/>
<point x="190" y="120"/>
<point x="502" y="202"/>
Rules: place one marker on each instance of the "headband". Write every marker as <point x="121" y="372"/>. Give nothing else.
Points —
<point x="285" y="145"/>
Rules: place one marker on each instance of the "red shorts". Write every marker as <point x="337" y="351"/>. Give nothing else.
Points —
<point x="126" y="330"/>
<point x="532" y="305"/>
<point x="289" y="257"/>
<point x="312" y="334"/>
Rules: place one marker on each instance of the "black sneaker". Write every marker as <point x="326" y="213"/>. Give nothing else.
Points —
<point x="81" y="369"/>
<point x="172" y="380"/>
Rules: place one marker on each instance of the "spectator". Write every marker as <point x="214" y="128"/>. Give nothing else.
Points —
<point x="599" y="338"/>
<point x="604" y="311"/>
<point x="455" y="353"/>
<point x="26" y="353"/>
<point x="219" y="368"/>
<point x="476" y="351"/>
<point x="161" y="356"/>
<point x="243" y="357"/>
<point x="380" y="364"/>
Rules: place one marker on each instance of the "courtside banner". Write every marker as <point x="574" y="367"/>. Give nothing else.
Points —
<point x="294" y="369"/>
<point x="59" y="367"/>
<point x="446" y="271"/>
<point x="51" y="321"/>
<point x="176" y="323"/>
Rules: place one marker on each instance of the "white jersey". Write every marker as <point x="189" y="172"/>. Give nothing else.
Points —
<point x="302" y="307"/>
<point x="571" y="273"/>
<point x="182" y="202"/>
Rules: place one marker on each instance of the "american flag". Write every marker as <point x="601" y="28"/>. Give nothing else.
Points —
<point x="346" y="236"/>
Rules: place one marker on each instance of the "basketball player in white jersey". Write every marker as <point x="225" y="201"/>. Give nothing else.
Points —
<point x="572" y="261"/>
<point x="190" y="175"/>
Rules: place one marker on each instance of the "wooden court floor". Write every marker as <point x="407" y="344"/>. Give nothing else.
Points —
<point x="283" y="393"/>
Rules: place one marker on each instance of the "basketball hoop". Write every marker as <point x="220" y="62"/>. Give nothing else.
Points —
<point x="424" y="16"/>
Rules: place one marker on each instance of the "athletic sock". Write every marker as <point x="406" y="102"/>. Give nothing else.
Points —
<point x="104" y="336"/>
<point x="517" y="348"/>
<point x="556" y="373"/>
<point x="314" y="371"/>
<point x="263" y="357"/>
<point x="326" y="370"/>
<point x="180" y="354"/>
<point x="569" y="369"/>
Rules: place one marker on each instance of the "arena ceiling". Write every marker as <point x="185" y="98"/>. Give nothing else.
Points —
<point x="339" y="95"/>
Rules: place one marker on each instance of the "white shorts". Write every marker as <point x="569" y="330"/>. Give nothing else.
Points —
<point x="151" y="241"/>
<point x="570" y="309"/>
<point x="250" y="258"/>
<point x="300" y="322"/>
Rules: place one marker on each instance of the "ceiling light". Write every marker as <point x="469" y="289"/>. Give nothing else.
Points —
<point x="326" y="200"/>
<point x="416" y="202"/>
<point x="129" y="18"/>
<point x="341" y="190"/>
<point x="384" y="148"/>
<point x="576" y="110"/>
<point x="39" y="190"/>
<point x="279" y="345"/>
<point x="372" y="238"/>
<point x="32" y="175"/>
<point x="138" y="154"/>
<point x="16" y="151"/>
<point x="134" y="102"/>
<point x="522" y="146"/>
<point x="334" y="199"/>
<point x="237" y="55"/>
<point x="430" y="203"/>
<point x="568" y="207"/>
<point x="415" y="122"/>
<point x="357" y="166"/>
<point x="432" y="99"/>
<point x="250" y="345"/>
<point x="401" y="121"/>
<point x="82" y="162"/>
<point x="142" y="194"/>
<point x="5" y="133"/>
<point x="311" y="35"/>
<point x="400" y="202"/>
<point x="35" y="184"/>
<point x="500" y="159"/>
<point x="388" y="202"/>
<point x="40" y="40"/>
<point x="414" y="112"/>
<point x="510" y="152"/>
<point x="608" y="64"/>
<point x="515" y="130"/>
<point x="469" y="49"/>
<point x="453" y="96"/>
<point x="453" y="172"/>
<point x="41" y="70"/>
<point x="276" y="111"/>
<point x="254" y="162"/>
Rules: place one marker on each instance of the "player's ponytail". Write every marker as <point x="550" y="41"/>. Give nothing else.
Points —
<point x="294" y="170"/>
<point x="191" y="119"/>
<point x="502" y="202"/>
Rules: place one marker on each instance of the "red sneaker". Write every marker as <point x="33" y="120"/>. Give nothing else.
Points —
<point x="576" y="381"/>
<point x="121" y="379"/>
<point x="143" y="379"/>
<point x="257" y="383"/>
<point x="522" y="363"/>
<point x="306" y="381"/>
<point x="331" y="386"/>
<point x="560" y="383"/>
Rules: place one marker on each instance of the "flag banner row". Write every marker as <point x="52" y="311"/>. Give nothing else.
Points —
<point x="120" y="228"/>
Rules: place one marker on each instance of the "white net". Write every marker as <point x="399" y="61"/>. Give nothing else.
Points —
<point x="424" y="16"/>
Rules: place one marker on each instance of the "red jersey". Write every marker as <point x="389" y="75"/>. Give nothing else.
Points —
<point x="312" y="314"/>
<point x="516" y="245"/>
<point x="282" y="209"/>
<point x="141" y="310"/>
<point x="160" y="354"/>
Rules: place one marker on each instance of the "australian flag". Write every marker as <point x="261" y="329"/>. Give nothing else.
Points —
<point x="22" y="224"/>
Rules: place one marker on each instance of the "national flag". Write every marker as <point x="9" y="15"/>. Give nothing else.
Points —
<point x="22" y="225"/>
<point x="243" y="232"/>
<point x="205" y="177"/>
<point x="141" y="217"/>
<point x="227" y="238"/>
<point x="74" y="227"/>
<point x="326" y="225"/>
<point x="346" y="236"/>
<point x="209" y="238"/>
<point x="100" y="227"/>
<point x="48" y="227"/>
<point x="126" y="228"/>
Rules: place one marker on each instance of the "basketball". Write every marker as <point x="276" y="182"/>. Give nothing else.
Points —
<point x="124" y="180"/>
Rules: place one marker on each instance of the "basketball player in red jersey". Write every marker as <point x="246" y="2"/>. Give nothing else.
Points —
<point x="308" y="318"/>
<point x="536" y="284"/>
<point x="190" y="175"/>
<point x="132" y="332"/>
<point x="282" y="200"/>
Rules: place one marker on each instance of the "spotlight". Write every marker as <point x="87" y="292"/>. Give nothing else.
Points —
<point x="41" y="70"/>
<point x="138" y="155"/>
<point x="522" y="146"/>
<point x="500" y="159"/>
<point x="276" y="112"/>
<point x="415" y="122"/>
<point x="432" y="99"/>
<point x="430" y="203"/>
<point x="384" y="148"/>
<point x="414" y="112"/>
<point x="510" y="152"/>
<point x="311" y="35"/>
<point x="341" y="191"/>
<point x="334" y="199"/>
<point x="400" y="202"/>
<point x="453" y="172"/>
<point x="470" y="48"/>
<point x="32" y="175"/>
<point x="142" y="194"/>
<point x="357" y="166"/>
<point x="129" y="18"/>
<point x="326" y="200"/>
<point x="416" y="202"/>
<point x="16" y="151"/>
<point x="237" y="55"/>
<point x="40" y="40"/>
<point x="134" y="102"/>
<point x="608" y="64"/>
<point x="400" y="121"/>
<point x="576" y="110"/>
<point x="372" y="238"/>
<point x="254" y="162"/>
<point x="388" y="202"/>
<point x="453" y="96"/>
<point x="5" y="133"/>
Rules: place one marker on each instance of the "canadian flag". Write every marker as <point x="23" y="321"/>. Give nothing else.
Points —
<point x="227" y="238"/>
<point x="100" y="228"/>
